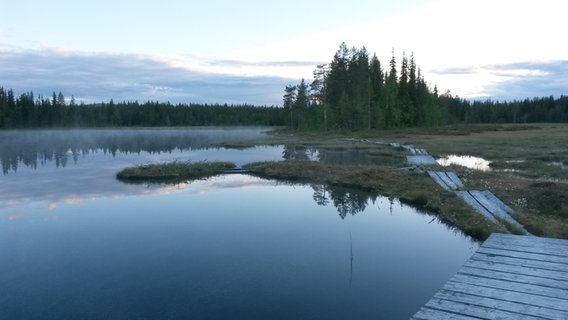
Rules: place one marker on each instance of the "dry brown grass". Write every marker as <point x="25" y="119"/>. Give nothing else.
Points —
<point x="529" y="168"/>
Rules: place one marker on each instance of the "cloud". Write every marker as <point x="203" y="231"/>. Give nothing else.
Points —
<point x="95" y="77"/>
<point x="508" y="81"/>
<point x="532" y="79"/>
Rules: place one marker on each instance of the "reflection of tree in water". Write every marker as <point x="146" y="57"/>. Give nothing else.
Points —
<point x="346" y="200"/>
<point x="31" y="148"/>
<point x="298" y="152"/>
<point x="337" y="155"/>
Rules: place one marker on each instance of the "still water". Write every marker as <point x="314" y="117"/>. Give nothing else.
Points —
<point x="75" y="243"/>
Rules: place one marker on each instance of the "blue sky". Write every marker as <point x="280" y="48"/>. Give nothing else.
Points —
<point x="247" y="51"/>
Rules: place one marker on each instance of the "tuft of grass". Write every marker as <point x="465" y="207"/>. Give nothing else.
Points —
<point x="174" y="171"/>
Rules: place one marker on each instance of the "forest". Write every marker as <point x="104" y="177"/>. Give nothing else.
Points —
<point x="27" y="111"/>
<point x="353" y="92"/>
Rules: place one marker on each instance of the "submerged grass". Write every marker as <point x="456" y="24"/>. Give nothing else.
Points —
<point x="174" y="171"/>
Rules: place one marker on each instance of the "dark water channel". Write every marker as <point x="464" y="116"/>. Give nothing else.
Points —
<point x="75" y="243"/>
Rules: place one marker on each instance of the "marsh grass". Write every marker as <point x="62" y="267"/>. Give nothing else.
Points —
<point x="528" y="171"/>
<point x="413" y="188"/>
<point x="525" y="158"/>
<point x="174" y="171"/>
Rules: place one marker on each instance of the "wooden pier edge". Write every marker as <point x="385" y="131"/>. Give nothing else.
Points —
<point x="508" y="277"/>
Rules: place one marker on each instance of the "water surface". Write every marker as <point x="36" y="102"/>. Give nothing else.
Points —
<point x="76" y="243"/>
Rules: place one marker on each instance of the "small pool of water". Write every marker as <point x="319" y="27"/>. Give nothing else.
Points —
<point x="470" y="162"/>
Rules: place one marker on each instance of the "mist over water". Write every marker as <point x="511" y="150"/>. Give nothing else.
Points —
<point x="77" y="243"/>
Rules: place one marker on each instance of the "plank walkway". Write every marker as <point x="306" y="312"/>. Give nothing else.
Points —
<point x="447" y="180"/>
<point x="508" y="277"/>
<point x="484" y="202"/>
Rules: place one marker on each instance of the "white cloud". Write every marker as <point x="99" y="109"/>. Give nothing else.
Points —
<point x="442" y="34"/>
<point x="95" y="77"/>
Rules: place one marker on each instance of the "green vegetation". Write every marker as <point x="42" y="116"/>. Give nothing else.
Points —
<point x="174" y="172"/>
<point x="354" y="93"/>
<point x="30" y="111"/>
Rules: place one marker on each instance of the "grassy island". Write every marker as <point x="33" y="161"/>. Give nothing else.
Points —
<point x="174" y="172"/>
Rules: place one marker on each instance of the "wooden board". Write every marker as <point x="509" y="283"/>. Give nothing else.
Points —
<point x="509" y="277"/>
<point x="421" y="159"/>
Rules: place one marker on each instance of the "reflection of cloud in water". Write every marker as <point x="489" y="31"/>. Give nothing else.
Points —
<point x="15" y="216"/>
<point x="471" y="162"/>
<point x="197" y="187"/>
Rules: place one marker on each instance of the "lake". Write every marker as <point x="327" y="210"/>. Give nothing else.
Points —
<point x="75" y="243"/>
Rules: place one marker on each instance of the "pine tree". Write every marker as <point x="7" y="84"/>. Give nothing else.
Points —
<point x="337" y="82"/>
<point x="289" y="100"/>
<point x="404" y="103"/>
<point x="318" y="90"/>
<point x="416" y="109"/>
<point x="390" y="110"/>
<point x="301" y="104"/>
<point x="376" y="91"/>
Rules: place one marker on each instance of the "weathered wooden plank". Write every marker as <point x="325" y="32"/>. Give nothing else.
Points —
<point x="511" y="237"/>
<point x="478" y="207"/>
<point x="511" y="286"/>
<point x="536" y="249"/>
<point x="525" y="309"/>
<point x="563" y="261"/>
<point x="414" y="151"/>
<point x="522" y="270"/>
<point x="507" y="295"/>
<point x="454" y="177"/>
<point x="427" y="313"/>
<point x="527" y="244"/>
<point x="529" y="240"/>
<point x="447" y="180"/>
<point x="438" y="180"/>
<point x="421" y="159"/>
<point x="433" y="314"/>
<point x="494" y="208"/>
<point x="519" y="262"/>
<point x="489" y="195"/>
<point x="477" y="311"/>
<point x="480" y="197"/>
<point x="514" y="277"/>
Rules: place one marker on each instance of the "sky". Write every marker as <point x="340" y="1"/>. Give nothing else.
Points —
<point x="246" y="51"/>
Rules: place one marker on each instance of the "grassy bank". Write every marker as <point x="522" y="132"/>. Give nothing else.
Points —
<point x="529" y="167"/>
<point x="173" y="172"/>
<point x="416" y="189"/>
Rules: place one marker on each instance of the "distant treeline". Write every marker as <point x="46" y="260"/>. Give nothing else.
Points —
<point x="544" y="109"/>
<point x="28" y="111"/>
<point x="354" y="92"/>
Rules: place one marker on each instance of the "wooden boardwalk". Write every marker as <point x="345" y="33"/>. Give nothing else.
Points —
<point x="509" y="277"/>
